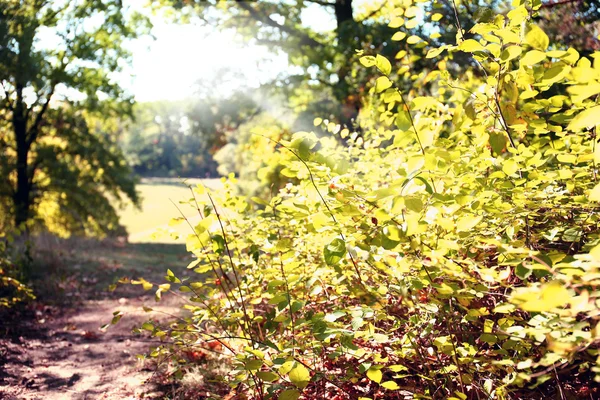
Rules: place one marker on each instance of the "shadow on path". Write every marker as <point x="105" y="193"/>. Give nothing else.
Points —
<point x="55" y="350"/>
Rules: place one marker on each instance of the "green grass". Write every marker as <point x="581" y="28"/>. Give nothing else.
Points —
<point x="157" y="209"/>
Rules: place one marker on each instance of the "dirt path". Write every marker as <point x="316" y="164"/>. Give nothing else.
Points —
<point x="59" y="352"/>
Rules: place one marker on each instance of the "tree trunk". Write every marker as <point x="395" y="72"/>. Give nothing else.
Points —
<point x="22" y="195"/>
<point x="343" y="12"/>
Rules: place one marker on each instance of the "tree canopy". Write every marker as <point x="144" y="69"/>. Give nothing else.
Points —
<point x="58" y="62"/>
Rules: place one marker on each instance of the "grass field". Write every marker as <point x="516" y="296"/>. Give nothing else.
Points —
<point x="157" y="209"/>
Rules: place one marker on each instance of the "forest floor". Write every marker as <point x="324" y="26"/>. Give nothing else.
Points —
<point x="54" y="348"/>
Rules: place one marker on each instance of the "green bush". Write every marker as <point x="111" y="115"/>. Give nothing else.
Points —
<point x="12" y="288"/>
<point x="449" y="250"/>
<point x="250" y="155"/>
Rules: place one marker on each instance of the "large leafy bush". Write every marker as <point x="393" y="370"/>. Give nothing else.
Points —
<point x="449" y="250"/>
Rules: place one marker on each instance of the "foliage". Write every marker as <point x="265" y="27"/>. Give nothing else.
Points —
<point x="250" y="155"/>
<point x="573" y="23"/>
<point x="323" y="80"/>
<point x="12" y="288"/>
<point x="57" y="64"/>
<point x="178" y="139"/>
<point x="450" y="250"/>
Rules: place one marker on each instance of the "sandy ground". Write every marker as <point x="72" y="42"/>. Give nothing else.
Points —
<point x="58" y="351"/>
<point x="67" y="356"/>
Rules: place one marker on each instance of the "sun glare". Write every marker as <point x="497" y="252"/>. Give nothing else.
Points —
<point x="183" y="58"/>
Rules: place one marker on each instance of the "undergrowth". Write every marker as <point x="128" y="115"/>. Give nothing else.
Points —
<point x="448" y="250"/>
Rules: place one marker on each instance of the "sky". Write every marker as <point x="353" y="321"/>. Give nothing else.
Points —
<point x="168" y="67"/>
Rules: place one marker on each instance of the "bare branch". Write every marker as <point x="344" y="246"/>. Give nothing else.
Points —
<point x="265" y="19"/>
<point x="34" y="130"/>
<point x="321" y="2"/>
<point x="553" y="4"/>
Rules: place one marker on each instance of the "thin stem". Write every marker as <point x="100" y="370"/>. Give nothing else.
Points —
<point x="235" y="273"/>
<point x="312" y="180"/>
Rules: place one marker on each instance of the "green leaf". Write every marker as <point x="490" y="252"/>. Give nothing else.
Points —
<point x="383" y="64"/>
<point x="299" y="376"/>
<point x="147" y="326"/>
<point x="253" y="365"/>
<point x="267" y="376"/>
<point x="585" y="119"/>
<point x="403" y="121"/>
<point x="290" y="394"/>
<point x="334" y="251"/>
<point x="498" y="142"/>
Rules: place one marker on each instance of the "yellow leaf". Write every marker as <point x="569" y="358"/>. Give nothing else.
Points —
<point x="510" y="53"/>
<point x="533" y="57"/>
<point x="537" y="38"/>
<point x="587" y="118"/>
<point x="510" y="167"/>
<point x="471" y="46"/>
<point x="436" y="17"/>
<point x="374" y="374"/>
<point x="300" y="376"/>
<point x="413" y="39"/>
<point x="595" y="193"/>
<point x="398" y="36"/>
<point x="176" y="221"/>
<point x="595" y="253"/>
<point x="382" y="83"/>
<point x="396" y="22"/>
<point x="467" y="223"/>
<point x="383" y="64"/>
<point x="412" y="23"/>
<point x="200" y="189"/>
<point x="553" y="295"/>
<point x="391" y="385"/>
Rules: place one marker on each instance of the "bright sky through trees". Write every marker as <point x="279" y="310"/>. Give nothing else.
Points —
<point x="183" y="55"/>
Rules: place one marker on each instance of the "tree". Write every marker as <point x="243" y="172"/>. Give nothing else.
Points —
<point x="325" y="58"/>
<point x="572" y="23"/>
<point x="179" y="138"/>
<point x="57" y="61"/>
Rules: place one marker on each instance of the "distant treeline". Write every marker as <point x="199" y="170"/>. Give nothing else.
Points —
<point x="179" y="138"/>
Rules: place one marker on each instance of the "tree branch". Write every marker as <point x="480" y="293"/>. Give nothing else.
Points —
<point x="34" y="130"/>
<point x="265" y="19"/>
<point x="321" y="2"/>
<point x="7" y="97"/>
<point x="558" y="3"/>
